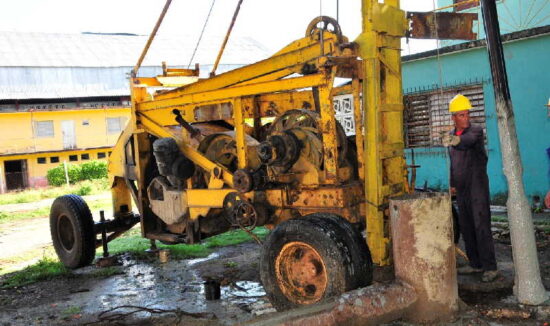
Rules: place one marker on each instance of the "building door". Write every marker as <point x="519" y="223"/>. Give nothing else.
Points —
<point x="16" y="174"/>
<point x="67" y="130"/>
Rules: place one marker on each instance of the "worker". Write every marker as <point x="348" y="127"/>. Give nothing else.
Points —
<point x="470" y="182"/>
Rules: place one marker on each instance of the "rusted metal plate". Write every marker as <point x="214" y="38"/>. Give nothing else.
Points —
<point x="218" y="111"/>
<point x="450" y="25"/>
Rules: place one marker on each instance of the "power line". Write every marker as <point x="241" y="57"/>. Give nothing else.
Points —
<point x="202" y="32"/>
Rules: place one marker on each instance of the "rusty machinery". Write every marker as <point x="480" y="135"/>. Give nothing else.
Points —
<point x="260" y="146"/>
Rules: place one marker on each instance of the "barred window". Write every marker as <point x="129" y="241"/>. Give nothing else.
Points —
<point x="427" y="114"/>
<point x="115" y="125"/>
<point x="43" y="129"/>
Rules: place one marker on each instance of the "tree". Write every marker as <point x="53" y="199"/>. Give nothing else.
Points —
<point x="528" y="284"/>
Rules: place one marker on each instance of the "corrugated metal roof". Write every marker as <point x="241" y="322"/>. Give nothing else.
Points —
<point x="19" y="49"/>
<point x="40" y="65"/>
<point x="18" y="83"/>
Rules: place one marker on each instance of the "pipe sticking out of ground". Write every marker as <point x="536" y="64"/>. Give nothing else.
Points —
<point x="425" y="287"/>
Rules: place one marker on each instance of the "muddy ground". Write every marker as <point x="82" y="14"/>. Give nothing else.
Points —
<point x="173" y="293"/>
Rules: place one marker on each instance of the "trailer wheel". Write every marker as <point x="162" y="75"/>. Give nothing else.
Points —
<point x="360" y="254"/>
<point x="304" y="261"/>
<point x="72" y="229"/>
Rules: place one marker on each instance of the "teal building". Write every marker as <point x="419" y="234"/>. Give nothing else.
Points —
<point x="431" y="79"/>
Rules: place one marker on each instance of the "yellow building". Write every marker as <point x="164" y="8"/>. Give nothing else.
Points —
<point x="65" y="97"/>
<point x="38" y="139"/>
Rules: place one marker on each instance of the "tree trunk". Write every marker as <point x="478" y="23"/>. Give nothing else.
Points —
<point x="528" y="284"/>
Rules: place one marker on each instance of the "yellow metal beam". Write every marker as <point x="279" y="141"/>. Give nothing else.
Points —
<point x="237" y="91"/>
<point x="307" y="51"/>
<point x="379" y="47"/>
<point x="240" y="135"/>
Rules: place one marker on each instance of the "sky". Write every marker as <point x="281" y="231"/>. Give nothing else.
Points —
<point x="273" y="23"/>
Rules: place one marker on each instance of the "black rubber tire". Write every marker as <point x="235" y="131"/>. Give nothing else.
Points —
<point x="325" y="239"/>
<point x="361" y="260"/>
<point x="72" y="230"/>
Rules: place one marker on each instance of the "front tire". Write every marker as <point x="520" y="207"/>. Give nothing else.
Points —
<point x="72" y="230"/>
<point x="304" y="261"/>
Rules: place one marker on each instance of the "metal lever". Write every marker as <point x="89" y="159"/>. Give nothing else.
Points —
<point x="103" y="234"/>
<point x="179" y="119"/>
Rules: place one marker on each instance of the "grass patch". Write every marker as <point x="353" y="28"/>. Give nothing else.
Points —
<point x="70" y="311"/>
<point x="49" y="267"/>
<point x="6" y="217"/>
<point x="87" y="187"/>
<point x="134" y="243"/>
<point x="11" y="264"/>
<point x="45" y="269"/>
<point x="499" y="219"/>
<point x="12" y="216"/>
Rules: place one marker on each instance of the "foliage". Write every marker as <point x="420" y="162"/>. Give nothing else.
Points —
<point x="32" y="195"/>
<point x="45" y="269"/>
<point x="93" y="170"/>
<point x="56" y="176"/>
<point x="84" y="190"/>
<point x="85" y="171"/>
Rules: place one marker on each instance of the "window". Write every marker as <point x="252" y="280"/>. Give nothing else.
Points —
<point x="465" y="4"/>
<point x="101" y="155"/>
<point x="54" y="159"/>
<point x="41" y="160"/>
<point x="427" y="115"/>
<point x="115" y="125"/>
<point x="85" y="156"/>
<point x="343" y="112"/>
<point x="73" y="158"/>
<point x="43" y="129"/>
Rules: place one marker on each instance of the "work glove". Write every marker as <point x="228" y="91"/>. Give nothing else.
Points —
<point x="450" y="140"/>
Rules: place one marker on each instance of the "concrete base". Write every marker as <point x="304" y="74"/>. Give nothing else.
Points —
<point x="424" y="253"/>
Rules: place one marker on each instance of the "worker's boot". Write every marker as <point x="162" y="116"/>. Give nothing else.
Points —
<point x="468" y="270"/>
<point x="489" y="276"/>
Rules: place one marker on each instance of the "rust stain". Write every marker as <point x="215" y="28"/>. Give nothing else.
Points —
<point x="450" y="25"/>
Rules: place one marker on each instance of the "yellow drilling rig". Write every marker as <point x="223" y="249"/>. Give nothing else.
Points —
<point x="261" y="146"/>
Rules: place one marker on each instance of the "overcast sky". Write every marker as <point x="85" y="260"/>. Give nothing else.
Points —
<point x="273" y="23"/>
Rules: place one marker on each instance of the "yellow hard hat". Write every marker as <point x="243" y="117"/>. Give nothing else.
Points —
<point x="459" y="103"/>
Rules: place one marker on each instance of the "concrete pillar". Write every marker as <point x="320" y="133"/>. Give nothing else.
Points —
<point x="424" y="254"/>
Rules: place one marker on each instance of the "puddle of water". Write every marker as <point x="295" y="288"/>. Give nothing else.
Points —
<point x="244" y="289"/>
<point x="174" y="285"/>
<point x="195" y="261"/>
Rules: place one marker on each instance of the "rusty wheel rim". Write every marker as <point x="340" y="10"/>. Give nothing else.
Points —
<point x="301" y="273"/>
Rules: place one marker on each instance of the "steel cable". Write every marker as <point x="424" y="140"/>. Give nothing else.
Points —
<point x="202" y="32"/>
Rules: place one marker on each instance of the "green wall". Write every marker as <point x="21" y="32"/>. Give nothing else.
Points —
<point x="528" y="67"/>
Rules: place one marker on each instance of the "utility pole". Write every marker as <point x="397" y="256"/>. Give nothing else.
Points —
<point x="528" y="285"/>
